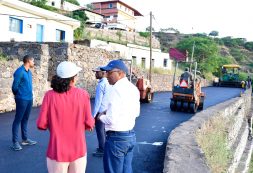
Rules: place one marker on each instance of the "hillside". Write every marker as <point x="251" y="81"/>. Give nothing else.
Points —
<point x="228" y="47"/>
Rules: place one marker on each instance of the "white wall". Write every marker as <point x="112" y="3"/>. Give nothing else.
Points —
<point x="93" y="17"/>
<point x="133" y="50"/>
<point x="66" y="5"/>
<point x="57" y="3"/>
<point x="30" y="27"/>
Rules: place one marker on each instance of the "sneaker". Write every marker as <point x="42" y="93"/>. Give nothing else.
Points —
<point x="16" y="146"/>
<point x="28" y="142"/>
<point x="98" y="153"/>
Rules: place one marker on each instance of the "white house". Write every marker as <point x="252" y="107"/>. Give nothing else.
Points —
<point x="139" y="54"/>
<point x="65" y="6"/>
<point x="93" y="17"/>
<point x="21" y="21"/>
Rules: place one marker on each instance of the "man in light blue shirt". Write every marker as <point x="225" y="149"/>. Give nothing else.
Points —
<point x="100" y="106"/>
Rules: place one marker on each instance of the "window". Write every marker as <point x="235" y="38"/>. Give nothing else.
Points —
<point x="165" y="63"/>
<point x="60" y="35"/>
<point x="115" y="15"/>
<point x="15" y="25"/>
<point x="53" y="3"/>
<point x="153" y="63"/>
<point x="110" y="5"/>
<point x="143" y="62"/>
<point x="134" y="60"/>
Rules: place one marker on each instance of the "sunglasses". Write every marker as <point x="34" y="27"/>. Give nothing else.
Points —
<point x="110" y="72"/>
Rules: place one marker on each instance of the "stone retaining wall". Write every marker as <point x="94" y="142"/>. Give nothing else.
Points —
<point x="183" y="153"/>
<point x="47" y="56"/>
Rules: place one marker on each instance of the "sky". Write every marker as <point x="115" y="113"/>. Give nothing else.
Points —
<point x="229" y="17"/>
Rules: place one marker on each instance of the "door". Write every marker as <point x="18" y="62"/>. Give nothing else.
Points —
<point x="39" y="33"/>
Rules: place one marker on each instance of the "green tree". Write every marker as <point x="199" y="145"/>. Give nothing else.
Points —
<point x="249" y="46"/>
<point x="79" y="15"/>
<point x="214" y="33"/>
<point x="41" y="4"/>
<point x="89" y="6"/>
<point x="204" y="47"/>
<point x="233" y="42"/>
<point x="206" y="53"/>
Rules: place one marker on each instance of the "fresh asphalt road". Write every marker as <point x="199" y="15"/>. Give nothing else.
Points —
<point x="153" y="127"/>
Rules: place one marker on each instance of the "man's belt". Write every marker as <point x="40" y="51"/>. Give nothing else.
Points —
<point x="119" y="132"/>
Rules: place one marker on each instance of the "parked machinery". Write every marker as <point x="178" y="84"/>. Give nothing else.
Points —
<point x="143" y="85"/>
<point x="187" y="95"/>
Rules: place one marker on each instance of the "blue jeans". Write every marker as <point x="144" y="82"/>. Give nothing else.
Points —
<point x="118" y="152"/>
<point x="100" y="129"/>
<point x="23" y="109"/>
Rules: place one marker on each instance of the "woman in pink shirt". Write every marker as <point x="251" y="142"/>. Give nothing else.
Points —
<point x="66" y="113"/>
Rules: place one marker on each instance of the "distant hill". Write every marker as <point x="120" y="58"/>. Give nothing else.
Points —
<point x="240" y="50"/>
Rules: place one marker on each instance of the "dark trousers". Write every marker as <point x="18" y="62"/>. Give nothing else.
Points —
<point x="100" y="129"/>
<point x="118" y="152"/>
<point x="23" y="109"/>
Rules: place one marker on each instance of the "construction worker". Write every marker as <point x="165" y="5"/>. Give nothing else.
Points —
<point x="186" y="76"/>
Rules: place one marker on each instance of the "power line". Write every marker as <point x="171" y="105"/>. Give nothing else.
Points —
<point x="157" y="23"/>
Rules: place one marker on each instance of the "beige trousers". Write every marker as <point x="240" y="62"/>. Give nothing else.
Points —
<point x="77" y="166"/>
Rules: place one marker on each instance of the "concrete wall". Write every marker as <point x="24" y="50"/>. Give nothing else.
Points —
<point x="66" y="5"/>
<point x="183" y="153"/>
<point x="139" y="52"/>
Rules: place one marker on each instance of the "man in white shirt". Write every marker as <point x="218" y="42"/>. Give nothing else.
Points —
<point x="123" y="108"/>
<point x="100" y="106"/>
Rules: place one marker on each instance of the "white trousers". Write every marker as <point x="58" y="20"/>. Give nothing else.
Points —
<point x="77" y="166"/>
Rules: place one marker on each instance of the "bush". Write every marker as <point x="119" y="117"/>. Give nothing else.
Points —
<point x="249" y="46"/>
<point x="42" y="4"/>
<point x="144" y="34"/>
<point x="243" y="76"/>
<point x="237" y="54"/>
<point x="3" y="57"/>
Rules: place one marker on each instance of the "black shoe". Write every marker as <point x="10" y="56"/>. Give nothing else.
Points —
<point x="16" y="146"/>
<point x="28" y="142"/>
<point x="98" y="153"/>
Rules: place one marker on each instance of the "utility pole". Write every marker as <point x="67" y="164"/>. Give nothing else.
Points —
<point x="150" y="44"/>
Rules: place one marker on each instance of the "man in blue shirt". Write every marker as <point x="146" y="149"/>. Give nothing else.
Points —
<point x="22" y="90"/>
<point x="100" y="106"/>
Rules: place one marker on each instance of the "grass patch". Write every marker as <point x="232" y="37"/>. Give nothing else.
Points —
<point x="3" y="57"/>
<point x="251" y="165"/>
<point x="213" y="139"/>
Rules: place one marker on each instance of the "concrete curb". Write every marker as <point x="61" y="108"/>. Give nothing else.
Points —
<point x="182" y="151"/>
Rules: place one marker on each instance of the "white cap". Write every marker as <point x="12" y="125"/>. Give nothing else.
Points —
<point x="67" y="69"/>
